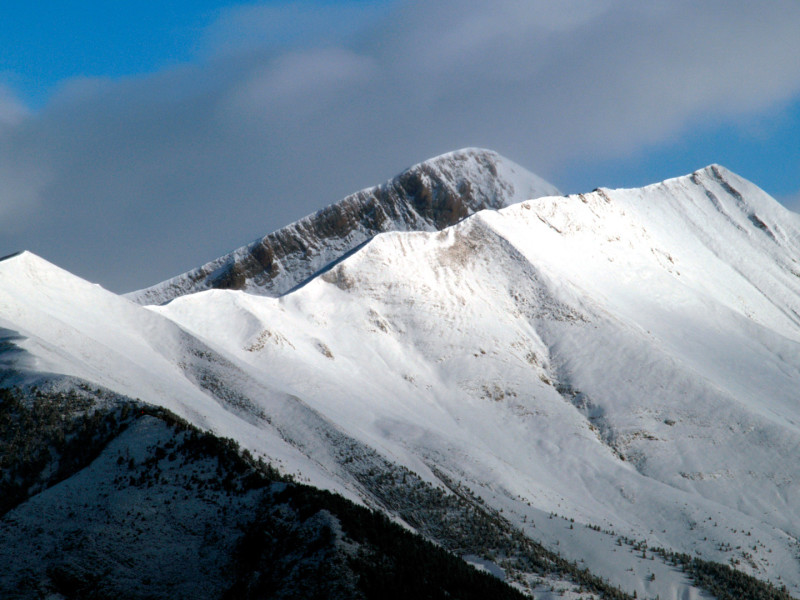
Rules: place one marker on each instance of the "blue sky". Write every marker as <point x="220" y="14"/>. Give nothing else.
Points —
<point x="43" y="44"/>
<point x="138" y="141"/>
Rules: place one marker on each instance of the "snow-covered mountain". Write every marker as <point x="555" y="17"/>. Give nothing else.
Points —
<point x="626" y="360"/>
<point x="426" y="197"/>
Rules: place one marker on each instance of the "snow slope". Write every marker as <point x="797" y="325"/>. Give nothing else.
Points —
<point x="626" y="358"/>
<point x="56" y="324"/>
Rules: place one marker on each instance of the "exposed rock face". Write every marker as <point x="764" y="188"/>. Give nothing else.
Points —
<point x="429" y="196"/>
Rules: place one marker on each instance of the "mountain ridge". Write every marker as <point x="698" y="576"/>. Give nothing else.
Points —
<point x="427" y="196"/>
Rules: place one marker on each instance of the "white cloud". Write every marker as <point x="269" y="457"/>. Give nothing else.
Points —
<point x="21" y="176"/>
<point x="201" y="158"/>
<point x="12" y="111"/>
<point x="289" y="81"/>
<point x="256" y="27"/>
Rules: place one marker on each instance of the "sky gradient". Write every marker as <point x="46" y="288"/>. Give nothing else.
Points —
<point x="137" y="142"/>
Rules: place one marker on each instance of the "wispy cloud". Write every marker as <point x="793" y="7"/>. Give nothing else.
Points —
<point x="136" y="179"/>
<point x="258" y="27"/>
<point x="12" y="111"/>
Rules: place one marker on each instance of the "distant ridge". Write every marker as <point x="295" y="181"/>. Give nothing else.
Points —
<point x="429" y="196"/>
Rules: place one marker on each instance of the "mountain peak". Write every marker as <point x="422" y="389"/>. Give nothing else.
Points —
<point x="513" y="182"/>
<point x="717" y="173"/>
<point x="24" y="275"/>
<point x="30" y="262"/>
<point x="428" y="196"/>
<point x="733" y="193"/>
<point x="12" y="255"/>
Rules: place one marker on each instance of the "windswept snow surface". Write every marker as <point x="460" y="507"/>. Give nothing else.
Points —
<point x="625" y="358"/>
